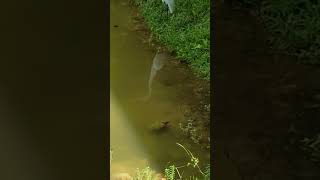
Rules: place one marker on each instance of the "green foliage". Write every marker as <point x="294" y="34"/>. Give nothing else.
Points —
<point x="312" y="147"/>
<point x="191" y="131"/>
<point x="207" y="172"/>
<point x="186" y="31"/>
<point x="170" y="172"/>
<point x="295" y="26"/>
<point x="145" y="174"/>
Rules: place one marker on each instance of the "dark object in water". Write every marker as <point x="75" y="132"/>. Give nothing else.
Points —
<point x="115" y="26"/>
<point x="165" y="123"/>
<point x="159" y="126"/>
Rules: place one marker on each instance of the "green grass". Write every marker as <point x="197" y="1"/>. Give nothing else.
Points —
<point x="294" y="26"/>
<point x="186" y="31"/>
<point x="173" y="172"/>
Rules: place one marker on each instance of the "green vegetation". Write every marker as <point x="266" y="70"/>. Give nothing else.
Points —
<point x="197" y="128"/>
<point x="173" y="172"/>
<point x="191" y="131"/>
<point x="146" y="174"/>
<point x="294" y="26"/>
<point x="186" y="31"/>
<point x="311" y="146"/>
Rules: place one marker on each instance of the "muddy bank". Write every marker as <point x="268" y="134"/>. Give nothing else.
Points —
<point x="259" y="97"/>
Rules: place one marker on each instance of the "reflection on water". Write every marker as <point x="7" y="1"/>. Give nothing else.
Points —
<point x="158" y="62"/>
<point x="133" y="140"/>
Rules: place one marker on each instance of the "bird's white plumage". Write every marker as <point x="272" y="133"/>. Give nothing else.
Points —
<point x="170" y="4"/>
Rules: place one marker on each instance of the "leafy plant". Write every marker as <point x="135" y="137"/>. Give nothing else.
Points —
<point x="312" y="147"/>
<point x="194" y="163"/>
<point x="172" y="172"/>
<point x="295" y="27"/>
<point x="145" y="174"/>
<point x="190" y="130"/>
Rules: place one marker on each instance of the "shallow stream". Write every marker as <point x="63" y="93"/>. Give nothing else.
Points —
<point x="133" y="141"/>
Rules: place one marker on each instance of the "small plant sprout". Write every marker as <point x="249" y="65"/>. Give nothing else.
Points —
<point x="194" y="161"/>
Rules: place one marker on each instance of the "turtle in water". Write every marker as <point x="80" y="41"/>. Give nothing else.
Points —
<point x="159" y="126"/>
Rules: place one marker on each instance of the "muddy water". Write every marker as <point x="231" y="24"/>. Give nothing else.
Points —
<point x="134" y="143"/>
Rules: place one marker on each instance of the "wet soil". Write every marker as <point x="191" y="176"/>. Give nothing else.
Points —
<point x="258" y="97"/>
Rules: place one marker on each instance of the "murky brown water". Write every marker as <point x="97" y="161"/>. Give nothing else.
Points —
<point x="134" y="145"/>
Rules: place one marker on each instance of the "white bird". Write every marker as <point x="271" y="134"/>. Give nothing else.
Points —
<point x="170" y="4"/>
